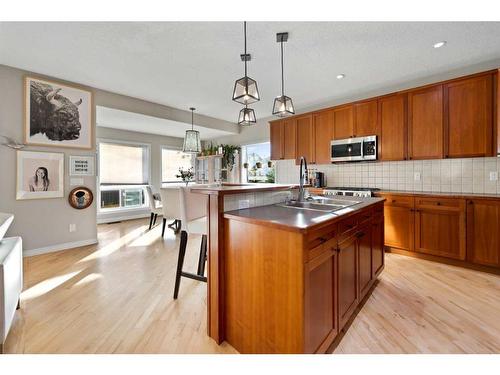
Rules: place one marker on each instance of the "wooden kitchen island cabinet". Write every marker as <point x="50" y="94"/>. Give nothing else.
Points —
<point x="294" y="278"/>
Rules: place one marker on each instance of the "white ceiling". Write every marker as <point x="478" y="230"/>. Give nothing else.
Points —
<point x="183" y="64"/>
<point x="117" y="119"/>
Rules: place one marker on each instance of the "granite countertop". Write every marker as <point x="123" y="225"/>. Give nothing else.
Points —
<point x="239" y="188"/>
<point x="297" y="220"/>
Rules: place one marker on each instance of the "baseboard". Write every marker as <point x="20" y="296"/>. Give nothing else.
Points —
<point x="59" y="247"/>
<point x="112" y="219"/>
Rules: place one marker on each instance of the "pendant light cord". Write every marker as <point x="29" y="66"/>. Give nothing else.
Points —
<point x="282" y="74"/>
<point x="245" y="33"/>
<point x="192" y="119"/>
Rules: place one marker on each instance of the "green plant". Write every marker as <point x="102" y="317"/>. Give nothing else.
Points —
<point x="271" y="175"/>
<point x="228" y="157"/>
<point x="185" y="174"/>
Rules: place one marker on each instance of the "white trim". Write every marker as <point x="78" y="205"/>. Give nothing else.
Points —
<point x="111" y="219"/>
<point x="59" y="247"/>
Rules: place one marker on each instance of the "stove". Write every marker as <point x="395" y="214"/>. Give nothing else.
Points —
<point x="350" y="191"/>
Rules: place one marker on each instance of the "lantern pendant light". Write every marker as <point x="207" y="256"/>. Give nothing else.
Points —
<point x="283" y="105"/>
<point x="192" y="141"/>
<point x="247" y="117"/>
<point x="245" y="89"/>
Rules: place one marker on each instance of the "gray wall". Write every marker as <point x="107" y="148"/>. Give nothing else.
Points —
<point x="156" y="142"/>
<point x="44" y="223"/>
<point x="40" y="222"/>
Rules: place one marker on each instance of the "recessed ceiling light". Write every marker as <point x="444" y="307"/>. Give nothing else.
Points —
<point x="440" y="44"/>
<point x="340" y="76"/>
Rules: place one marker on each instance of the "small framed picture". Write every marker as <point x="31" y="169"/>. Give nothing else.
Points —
<point x="57" y="114"/>
<point x="81" y="165"/>
<point x="80" y="198"/>
<point x="39" y="175"/>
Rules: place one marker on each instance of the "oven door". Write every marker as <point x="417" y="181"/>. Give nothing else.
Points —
<point x="350" y="149"/>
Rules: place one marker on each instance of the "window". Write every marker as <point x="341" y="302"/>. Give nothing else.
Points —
<point x="171" y="161"/>
<point x="256" y="160"/>
<point x="123" y="175"/>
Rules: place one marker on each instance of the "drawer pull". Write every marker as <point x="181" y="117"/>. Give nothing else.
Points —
<point x="393" y="201"/>
<point x="322" y="240"/>
<point x="438" y="203"/>
<point x="360" y="234"/>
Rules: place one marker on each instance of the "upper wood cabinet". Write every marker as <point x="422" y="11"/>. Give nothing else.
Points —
<point x="425" y="123"/>
<point x="305" y="138"/>
<point x="276" y="136"/>
<point x="483" y="232"/>
<point x="323" y="133"/>
<point x="469" y="117"/>
<point x="289" y="138"/>
<point x="283" y="139"/>
<point x="392" y="119"/>
<point x="343" y="122"/>
<point x="366" y="118"/>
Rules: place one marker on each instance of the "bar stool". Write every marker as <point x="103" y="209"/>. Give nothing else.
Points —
<point x="193" y="210"/>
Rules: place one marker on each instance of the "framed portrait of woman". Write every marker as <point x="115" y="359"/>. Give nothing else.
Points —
<point x="39" y="175"/>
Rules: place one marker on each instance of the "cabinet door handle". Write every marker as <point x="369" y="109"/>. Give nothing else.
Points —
<point x="438" y="203"/>
<point x="360" y="234"/>
<point x="471" y="202"/>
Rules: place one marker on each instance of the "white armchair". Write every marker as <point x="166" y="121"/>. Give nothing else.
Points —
<point x="11" y="277"/>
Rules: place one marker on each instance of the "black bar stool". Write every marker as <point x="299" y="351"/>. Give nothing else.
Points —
<point x="199" y="275"/>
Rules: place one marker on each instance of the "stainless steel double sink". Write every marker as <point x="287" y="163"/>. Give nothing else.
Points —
<point x="320" y="204"/>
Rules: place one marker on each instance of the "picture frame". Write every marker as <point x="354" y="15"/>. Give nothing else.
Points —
<point x="80" y="198"/>
<point x="81" y="165"/>
<point x="40" y="175"/>
<point x="57" y="114"/>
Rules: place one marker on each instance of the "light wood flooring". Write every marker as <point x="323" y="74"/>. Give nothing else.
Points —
<point x="116" y="297"/>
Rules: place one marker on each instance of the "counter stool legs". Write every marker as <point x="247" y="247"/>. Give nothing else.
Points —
<point x="175" y="225"/>
<point x="180" y="262"/>
<point x="151" y="221"/>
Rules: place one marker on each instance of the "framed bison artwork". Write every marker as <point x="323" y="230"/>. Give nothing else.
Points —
<point x="57" y="114"/>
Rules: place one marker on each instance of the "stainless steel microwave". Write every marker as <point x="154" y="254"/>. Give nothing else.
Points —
<point x="354" y="149"/>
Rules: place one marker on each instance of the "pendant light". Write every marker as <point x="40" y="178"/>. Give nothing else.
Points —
<point x="192" y="141"/>
<point x="245" y="89"/>
<point x="247" y="117"/>
<point x="283" y="105"/>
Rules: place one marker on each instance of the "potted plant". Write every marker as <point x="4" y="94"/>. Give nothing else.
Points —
<point x="228" y="158"/>
<point x="186" y="175"/>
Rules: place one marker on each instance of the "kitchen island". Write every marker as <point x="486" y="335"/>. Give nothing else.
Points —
<point x="284" y="279"/>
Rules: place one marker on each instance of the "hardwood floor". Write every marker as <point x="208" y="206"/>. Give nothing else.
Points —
<point x="116" y="297"/>
<point x="113" y="298"/>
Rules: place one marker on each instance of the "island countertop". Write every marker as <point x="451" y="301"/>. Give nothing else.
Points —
<point x="225" y="189"/>
<point x="298" y="220"/>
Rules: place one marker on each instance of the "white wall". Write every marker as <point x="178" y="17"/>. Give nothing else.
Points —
<point x="155" y="142"/>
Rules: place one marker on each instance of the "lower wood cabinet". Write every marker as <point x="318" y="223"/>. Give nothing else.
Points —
<point x="321" y="306"/>
<point x="365" y="278"/>
<point x="440" y="227"/>
<point x="459" y="229"/>
<point x="377" y="245"/>
<point x="347" y="278"/>
<point x="483" y="232"/>
<point x="399" y="222"/>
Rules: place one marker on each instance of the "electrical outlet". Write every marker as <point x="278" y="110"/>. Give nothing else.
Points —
<point x="493" y="176"/>
<point x="244" y="203"/>
<point x="72" y="227"/>
<point x="417" y="176"/>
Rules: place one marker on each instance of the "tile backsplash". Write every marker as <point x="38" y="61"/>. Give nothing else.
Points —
<point x="263" y="198"/>
<point x="473" y="175"/>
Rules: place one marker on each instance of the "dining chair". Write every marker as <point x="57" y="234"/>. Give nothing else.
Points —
<point x="155" y="206"/>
